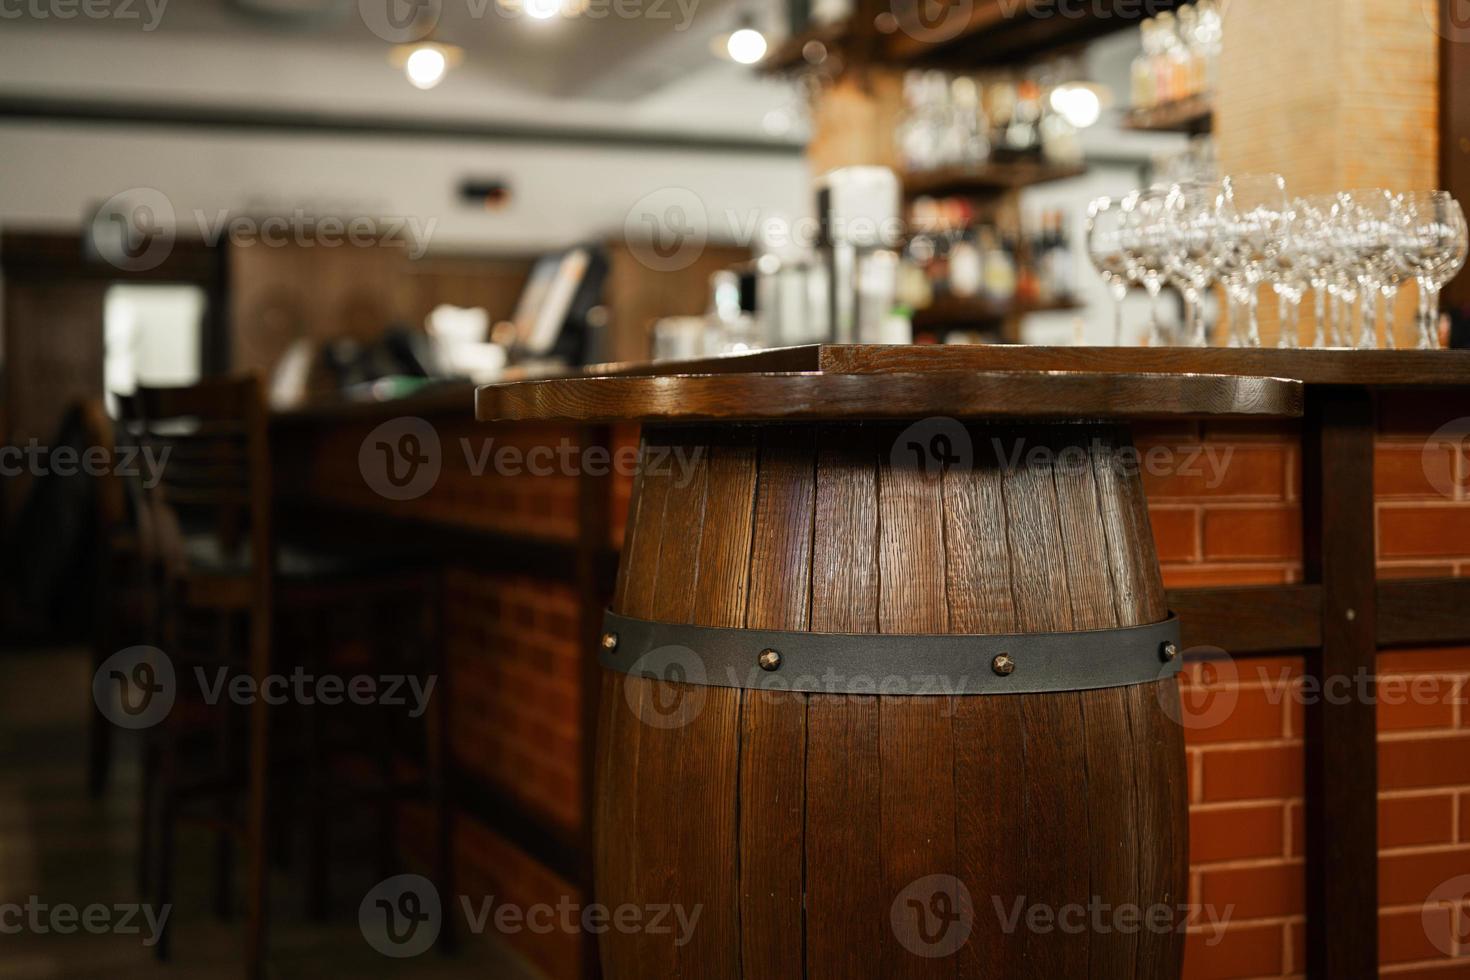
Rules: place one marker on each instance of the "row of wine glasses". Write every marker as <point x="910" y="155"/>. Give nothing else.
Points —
<point x="1353" y="250"/>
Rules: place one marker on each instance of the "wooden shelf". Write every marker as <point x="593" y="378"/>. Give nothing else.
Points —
<point x="991" y="32"/>
<point x="1195" y="114"/>
<point x="950" y="312"/>
<point x="993" y="178"/>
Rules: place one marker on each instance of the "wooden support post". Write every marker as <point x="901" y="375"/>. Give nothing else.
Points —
<point x="1341" y="724"/>
<point x="594" y="589"/>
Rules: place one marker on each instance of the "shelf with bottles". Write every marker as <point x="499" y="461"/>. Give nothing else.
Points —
<point x="968" y="266"/>
<point x="1172" y="80"/>
<point x="1192" y="115"/>
<point x="990" y="133"/>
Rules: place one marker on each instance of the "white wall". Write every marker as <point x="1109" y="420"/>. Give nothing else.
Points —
<point x="53" y="175"/>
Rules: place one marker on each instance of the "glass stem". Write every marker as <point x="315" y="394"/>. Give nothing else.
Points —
<point x="1120" y="292"/>
<point x="1155" y="329"/>
<point x="1253" y="334"/>
<point x="1195" y="319"/>
<point x="1368" y="316"/>
<point x="1390" y="301"/>
<point x="1431" y="326"/>
<point x="1421" y="315"/>
<point x="1319" y="297"/>
<point x="1283" y="315"/>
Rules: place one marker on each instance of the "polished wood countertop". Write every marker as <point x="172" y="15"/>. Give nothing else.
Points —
<point x="1370" y="368"/>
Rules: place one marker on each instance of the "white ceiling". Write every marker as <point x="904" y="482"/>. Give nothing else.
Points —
<point x="617" y="51"/>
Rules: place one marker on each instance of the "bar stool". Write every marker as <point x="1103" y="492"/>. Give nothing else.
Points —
<point x="874" y="675"/>
<point x="227" y="585"/>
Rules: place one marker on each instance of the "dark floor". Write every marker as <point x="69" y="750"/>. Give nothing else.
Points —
<point x="60" y="847"/>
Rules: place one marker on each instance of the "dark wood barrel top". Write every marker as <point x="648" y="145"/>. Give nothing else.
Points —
<point x="814" y="395"/>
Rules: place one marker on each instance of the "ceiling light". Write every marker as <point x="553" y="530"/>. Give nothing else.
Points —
<point x="542" y="9"/>
<point x="746" y="45"/>
<point x="426" y="67"/>
<point x="425" y="64"/>
<point x="1078" y="103"/>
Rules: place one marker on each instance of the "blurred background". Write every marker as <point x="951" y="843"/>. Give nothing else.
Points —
<point x="364" y="208"/>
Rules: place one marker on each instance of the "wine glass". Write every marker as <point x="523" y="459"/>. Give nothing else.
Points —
<point x="1342" y="265"/>
<point x="1370" y="236"/>
<point x="1254" y="223"/>
<point x="1145" y="244"/>
<point x="1189" y="216"/>
<point x="1433" y="250"/>
<point x="1105" y="247"/>
<point x="1310" y="235"/>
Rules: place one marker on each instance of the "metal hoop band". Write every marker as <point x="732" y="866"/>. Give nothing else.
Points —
<point x="894" y="664"/>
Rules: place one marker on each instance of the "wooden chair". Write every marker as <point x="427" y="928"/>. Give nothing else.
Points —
<point x="123" y="610"/>
<point x="226" y="585"/>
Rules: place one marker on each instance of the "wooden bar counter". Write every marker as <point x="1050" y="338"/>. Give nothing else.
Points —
<point x="1274" y="560"/>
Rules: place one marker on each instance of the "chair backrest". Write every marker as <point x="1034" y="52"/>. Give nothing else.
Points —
<point x="212" y="486"/>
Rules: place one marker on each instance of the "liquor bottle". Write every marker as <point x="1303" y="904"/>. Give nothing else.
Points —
<point x="1000" y="268"/>
<point x="1144" y="75"/>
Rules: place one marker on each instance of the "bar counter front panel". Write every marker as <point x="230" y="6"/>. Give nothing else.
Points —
<point x="528" y="559"/>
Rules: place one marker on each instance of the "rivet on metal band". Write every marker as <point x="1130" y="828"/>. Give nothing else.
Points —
<point x="896" y="664"/>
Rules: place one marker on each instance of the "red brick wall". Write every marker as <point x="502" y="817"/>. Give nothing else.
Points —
<point x="512" y="651"/>
<point x="1243" y="717"/>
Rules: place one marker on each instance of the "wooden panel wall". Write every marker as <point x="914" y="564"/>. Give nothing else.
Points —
<point x="1334" y="95"/>
<point x="280" y="294"/>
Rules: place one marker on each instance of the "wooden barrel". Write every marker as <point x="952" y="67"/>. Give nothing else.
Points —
<point x="846" y="835"/>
